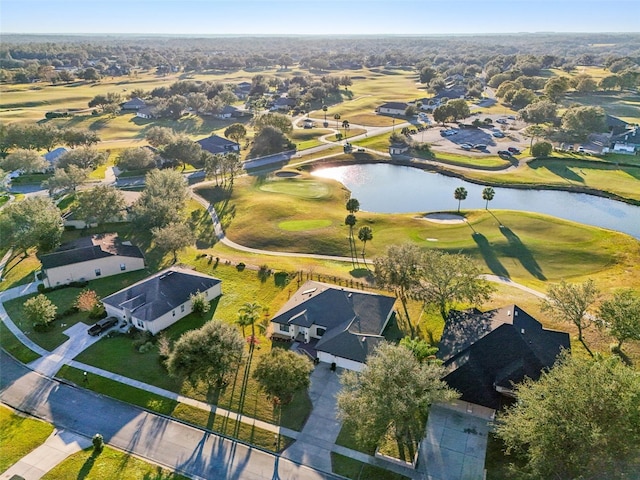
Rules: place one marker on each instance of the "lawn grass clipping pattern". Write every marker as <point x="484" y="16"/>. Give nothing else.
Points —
<point x="303" y="225"/>
<point x="309" y="189"/>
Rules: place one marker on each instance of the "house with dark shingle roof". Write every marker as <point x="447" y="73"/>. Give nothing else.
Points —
<point x="217" y="144"/>
<point x="135" y="103"/>
<point x="88" y="258"/>
<point x="627" y="142"/>
<point x="393" y="108"/>
<point x="486" y="353"/>
<point x="158" y="301"/>
<point x="334" y="324"/>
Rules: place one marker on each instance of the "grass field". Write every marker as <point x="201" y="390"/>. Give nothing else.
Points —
<point x="110" y="464"/>
<point x="19" y="435"/>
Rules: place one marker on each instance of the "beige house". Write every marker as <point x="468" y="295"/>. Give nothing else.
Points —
<point x="89" y="258"/>
<point x="162" y="299"/>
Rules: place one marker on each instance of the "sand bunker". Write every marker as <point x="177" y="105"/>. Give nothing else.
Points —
<point x="444" y="218"/>
<point x="287" y="174"/>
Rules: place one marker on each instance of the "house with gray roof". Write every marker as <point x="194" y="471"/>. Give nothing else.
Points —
<point x="486" y="353"/>
<point x="158" y="301"/>
<point x="627" y="142"/>
<point x="88" y="258"/>
<point x="217" y="144"/>
<point x="393" y="108"/>
<point x="334" y="324"/>
<point x="134" y="104"/>
<point x="53" y="156"/>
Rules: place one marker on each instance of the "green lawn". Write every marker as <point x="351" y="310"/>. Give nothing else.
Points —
<point x="13" y="346"/>
<point x="19" y="270"/>
<point x="350" y="468"/>
<point x="533" y="249"/>
<point x="19" y="435"/>
<point x="110" y="464"/>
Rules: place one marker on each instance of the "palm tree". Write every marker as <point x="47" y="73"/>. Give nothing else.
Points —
<point x="336" y="117"/>
<point x="307" y="106"/>
<point x="488" y="194"/>
<point x="364" y="235"/>
<point x="345" y="125"/>
<point x="460" y="194"/>
<point x="351" y="221"/>
<point x="248" y="315"/>
<point x="324" y="109"/>
<point x="353" y="205"/>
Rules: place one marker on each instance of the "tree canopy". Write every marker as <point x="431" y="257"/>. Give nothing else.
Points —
<point x="579" y="420"/>
<point x="282" y="373"/>
<point x="391" y="395"/>
<point x="100" y="204"/>
<point x="163" y="199"/>
<point x="276" y="120"/>
<point x="621" y="315"/>
<point x="33" y="222"/>
<point x="206" y="354"/>
<point x="26" y="160"/>
<point x="173" y="237"/>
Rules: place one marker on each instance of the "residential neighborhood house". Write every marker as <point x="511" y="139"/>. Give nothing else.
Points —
<point x="88" y="258"/>
<point x="392" y="108"/>
<point x="216" y="144"/>
<point x="334" y="324"/>
<point x="162" y="299"/>
<point x="146" y="113"/>
<point x="486" y="353"/>
<point x="398" y="148"/>
<point x="134" y="104"/>
<point x="627" y="142"/>
<point x="52" y="158"/>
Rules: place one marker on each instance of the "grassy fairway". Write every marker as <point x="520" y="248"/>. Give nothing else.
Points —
<point x="110" y="464"/>
<point x="19" y="435"/>
<point x="532" y="248"/>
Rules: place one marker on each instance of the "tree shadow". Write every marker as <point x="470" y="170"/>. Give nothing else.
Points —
<point x="489" y="256"/>
<point x="562" y="170"/>
<point x="519" y="250"/>
<point x="88" y="465"/>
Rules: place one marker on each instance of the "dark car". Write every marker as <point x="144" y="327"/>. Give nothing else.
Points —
<point x="513" y="150"/>
<point x="505" y="153"/>
<point x="480" y="146"/>
<point x="102" y="325"/>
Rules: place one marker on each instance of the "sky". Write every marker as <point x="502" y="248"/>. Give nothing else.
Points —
<point x="323" y="17"/>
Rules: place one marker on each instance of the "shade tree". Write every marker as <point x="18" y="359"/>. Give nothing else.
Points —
<point x="282" y="373"/>
<point x="620" y="315"/>
<point x="173" y="237"/>
<point x="33" y="222"/>
<point x="100" y="204"/>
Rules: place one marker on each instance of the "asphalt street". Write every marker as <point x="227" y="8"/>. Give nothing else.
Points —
<point x="177" y="446"/>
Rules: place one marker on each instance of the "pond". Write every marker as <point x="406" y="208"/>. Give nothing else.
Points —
<point x="384" y="188"/>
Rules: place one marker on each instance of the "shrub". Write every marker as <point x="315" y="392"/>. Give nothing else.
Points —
<point x="40" y="310"/>
<point x="145" y="347"/>
<point x="98" y="443"/>
<point x="199" y="303"/>
<point x="264" y="272"/>
<point x="41" y="288"/>
<point x="97" y="312"/>
<point x="241" y="266"/>
<point x="87" y="300"/>
<point x="541" y="149"/>
<point x="140" y="338"/>
<point x="164" y="347"/>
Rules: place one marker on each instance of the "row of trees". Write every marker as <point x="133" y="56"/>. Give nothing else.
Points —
<point x="25" y="136"/>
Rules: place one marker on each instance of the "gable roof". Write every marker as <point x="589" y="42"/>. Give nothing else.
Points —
<point x="630" y="137"/>
<point x="216" y="144"/>
<point x="134" y="103"/>
<point x="160" y="293"/>
<point x="285" y="102"/>
<point x="452" y="93"/>
<point x="395" y="105"/>
<point x="348" y="315"/>
<point x="90" y="248"/>
<point x="53" y="155"/>
<point x="482" y="350"/>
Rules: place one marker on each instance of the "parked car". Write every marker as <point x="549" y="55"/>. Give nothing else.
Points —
<point x="466" y="146"/>
<point x="581" y="149"/>
<point x="514" y="150"/>
<point x="102" y="325"/>
<point x="501" y="120"/>
<point x="361" y="149"/>
<point x="480" y="146"/>
<point x="498" y="134"/>
<point x="504" y="153"/>
<point x="511" y="117"/>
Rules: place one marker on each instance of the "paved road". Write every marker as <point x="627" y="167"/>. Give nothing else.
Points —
<point x="177" y="446"/>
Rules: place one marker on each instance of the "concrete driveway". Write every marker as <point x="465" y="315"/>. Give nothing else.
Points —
<point x="456" y="442"/>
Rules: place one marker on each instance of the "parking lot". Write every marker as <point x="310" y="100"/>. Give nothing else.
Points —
<point x="475" y="136"/>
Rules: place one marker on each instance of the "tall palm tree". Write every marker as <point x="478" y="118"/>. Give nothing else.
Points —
<point x="307" y="106"/>
<point x="324" y="109"/>
<point x="248" y="315"/>
<point x="364" y="235"/>
<point x="353" y="205"/>
<point x="345" y="125"/>
<point x="488" y="194"/>
<point x="336" y="117"/>
<point x="351" y="221"/>
<point x="460" y="194"/>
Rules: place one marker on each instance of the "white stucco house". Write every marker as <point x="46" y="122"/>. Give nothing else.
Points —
<point x="89" y="258"/>
<point x="393" y="108"/>
<point x="160" y="300"/>
<point x="398" y="148"/>
<point x="334" y="324"/>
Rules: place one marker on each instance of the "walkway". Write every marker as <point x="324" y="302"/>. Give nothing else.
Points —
<point x="55" y="449"/>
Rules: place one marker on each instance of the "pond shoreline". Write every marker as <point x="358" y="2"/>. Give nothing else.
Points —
<point x="326" y="163"/>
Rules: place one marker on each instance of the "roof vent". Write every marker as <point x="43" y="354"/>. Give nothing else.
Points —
<point x="310" y="291"/>
<point x="522" y="331"/>
<point x="350" y="295"/>
<point x="363" y="339"/>
<point x="508" y="313"/>
<point x="515" y="313"/>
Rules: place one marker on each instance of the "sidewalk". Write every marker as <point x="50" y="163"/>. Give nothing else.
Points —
<point x="54" y="450"/>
